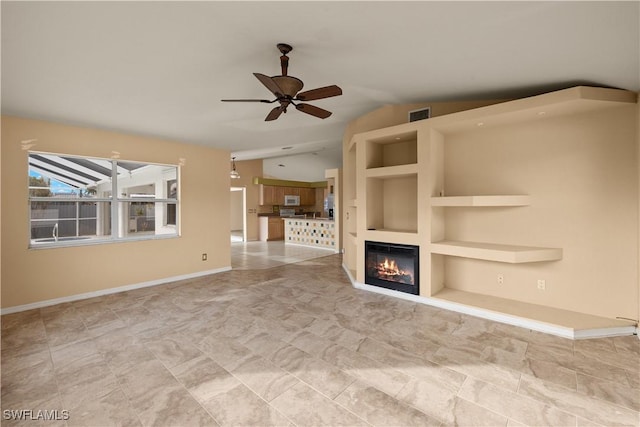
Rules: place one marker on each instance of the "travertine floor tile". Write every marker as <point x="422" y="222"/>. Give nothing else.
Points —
<point x="514" y="406"/>
<point x="319" y="374"/>
<point x="264" y="378"/>
<point x="435" y="398"/>
<point x="242" y="407"/>
<point x="380" y="409"/>
<point x="542" y="369"/>
<point x="204" y="378"/>
<point x="610" y="391"/>
<point x="590" y="408"/>
<point x="465" y="362"/>
<point x="296" y="345"/>
<point x="306" y="407"/>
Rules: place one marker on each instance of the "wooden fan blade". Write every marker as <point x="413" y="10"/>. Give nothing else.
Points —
<point x="274" y="114"/>
<point x="270" y="84"/>
<point x="313" y="110"/>
<point x="249" y="100"/>
<point x="320" y="93"/>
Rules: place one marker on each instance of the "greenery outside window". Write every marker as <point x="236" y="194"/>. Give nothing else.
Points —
<point x="71" y="200"/>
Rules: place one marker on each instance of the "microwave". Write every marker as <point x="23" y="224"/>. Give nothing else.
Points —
<point x="291" y="200"/>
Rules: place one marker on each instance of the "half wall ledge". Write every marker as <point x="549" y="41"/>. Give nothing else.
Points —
<point x="553" y="321"/>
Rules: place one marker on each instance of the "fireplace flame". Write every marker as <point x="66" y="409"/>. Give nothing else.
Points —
<point x="389" y="270"/>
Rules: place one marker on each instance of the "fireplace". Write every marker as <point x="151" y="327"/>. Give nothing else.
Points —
<point x="392" y="266"/>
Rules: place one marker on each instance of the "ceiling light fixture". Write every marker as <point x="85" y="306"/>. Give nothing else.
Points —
<point x="234" y="173"/>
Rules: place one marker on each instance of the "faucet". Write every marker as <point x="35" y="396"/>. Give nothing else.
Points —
<point x="55" y="232"/>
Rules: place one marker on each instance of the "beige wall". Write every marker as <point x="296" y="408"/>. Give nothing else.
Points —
<point x="249" y="169"/>
<point x="236" y="211"/>
<point x="581" y="173"/>
<point x="30" y="276"/>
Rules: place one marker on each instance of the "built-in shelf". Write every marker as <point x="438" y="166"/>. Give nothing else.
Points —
<point x="553" y="316"/>
<point x="472" y="201"/>
<point x="574" y="100"/>
<point x="392" y="171"/>
<point x="391" y="230"/>
<point x="392" y="150"/>
<point x="495" y="252"/>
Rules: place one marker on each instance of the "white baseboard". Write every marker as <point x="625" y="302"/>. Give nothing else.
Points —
<point x="508" y="319"/>
<point x="77" y="297"/>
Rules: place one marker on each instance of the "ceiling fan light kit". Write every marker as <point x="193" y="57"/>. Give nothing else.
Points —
<point x="287" y="91"/>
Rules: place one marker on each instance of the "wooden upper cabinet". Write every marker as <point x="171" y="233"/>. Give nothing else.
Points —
<point x="266" y="195"/>
<point x="278" y="195"/>
<point x="290" y="191"/>
<point x="274" y="195"/>
<point x="307" y="196"/>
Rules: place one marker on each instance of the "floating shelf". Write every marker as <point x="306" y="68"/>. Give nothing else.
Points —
<point x="471" y="201"/>
<point x="392" y="171"/>
<point x="495" y="252"/>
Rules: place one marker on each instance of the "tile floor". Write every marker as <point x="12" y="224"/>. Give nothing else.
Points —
<point x="258" y="255"/>
<point x="296" y="345"/>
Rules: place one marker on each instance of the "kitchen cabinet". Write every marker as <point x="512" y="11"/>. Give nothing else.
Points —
<point x="278" y="195"/>
<point x="292" y="191"/>
<point x="307" y="196"/>
<point x="271" y="228"/>
<point x="276" y="229"/>
<point x="271" y="195"/>
<point x="267" y="196"/>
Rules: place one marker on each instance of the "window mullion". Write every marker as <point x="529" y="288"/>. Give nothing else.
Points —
<point x="77" y="218"/>
<point x="115" y="217"/>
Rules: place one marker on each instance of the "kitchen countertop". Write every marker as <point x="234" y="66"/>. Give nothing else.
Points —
<point x="308" y="218"/>
<point x="297" y="216"/>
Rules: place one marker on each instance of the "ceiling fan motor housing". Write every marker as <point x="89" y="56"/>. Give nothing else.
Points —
<point x="290" y="85"/>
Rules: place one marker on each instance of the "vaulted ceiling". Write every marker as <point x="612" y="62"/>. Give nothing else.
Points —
<point x="161" y="68"/>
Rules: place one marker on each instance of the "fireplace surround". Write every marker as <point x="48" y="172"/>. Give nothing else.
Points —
<point x="392" y="266"/>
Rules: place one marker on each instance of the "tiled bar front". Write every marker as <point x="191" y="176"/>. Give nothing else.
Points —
<point x="311" y="232"/>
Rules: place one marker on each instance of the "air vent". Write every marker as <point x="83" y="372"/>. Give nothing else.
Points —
<point x="421" y="114"/>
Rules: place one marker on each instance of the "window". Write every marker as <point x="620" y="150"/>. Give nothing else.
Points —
<point x="72" y="201"/>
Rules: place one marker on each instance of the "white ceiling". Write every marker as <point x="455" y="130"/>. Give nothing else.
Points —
<point x="161" y="68"/>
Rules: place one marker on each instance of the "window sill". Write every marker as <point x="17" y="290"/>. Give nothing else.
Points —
<point x="92" y="241"/>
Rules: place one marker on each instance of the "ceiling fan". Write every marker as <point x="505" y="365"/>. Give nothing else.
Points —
<point x="287" y="91"/>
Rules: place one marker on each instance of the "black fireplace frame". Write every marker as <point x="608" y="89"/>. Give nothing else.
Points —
<point x="382" y="247"/>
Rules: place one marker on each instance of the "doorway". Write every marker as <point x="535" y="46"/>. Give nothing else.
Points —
<point x="238" y="214"/>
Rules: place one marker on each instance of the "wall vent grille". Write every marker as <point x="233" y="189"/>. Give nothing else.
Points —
<point x="421" y="114"/>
